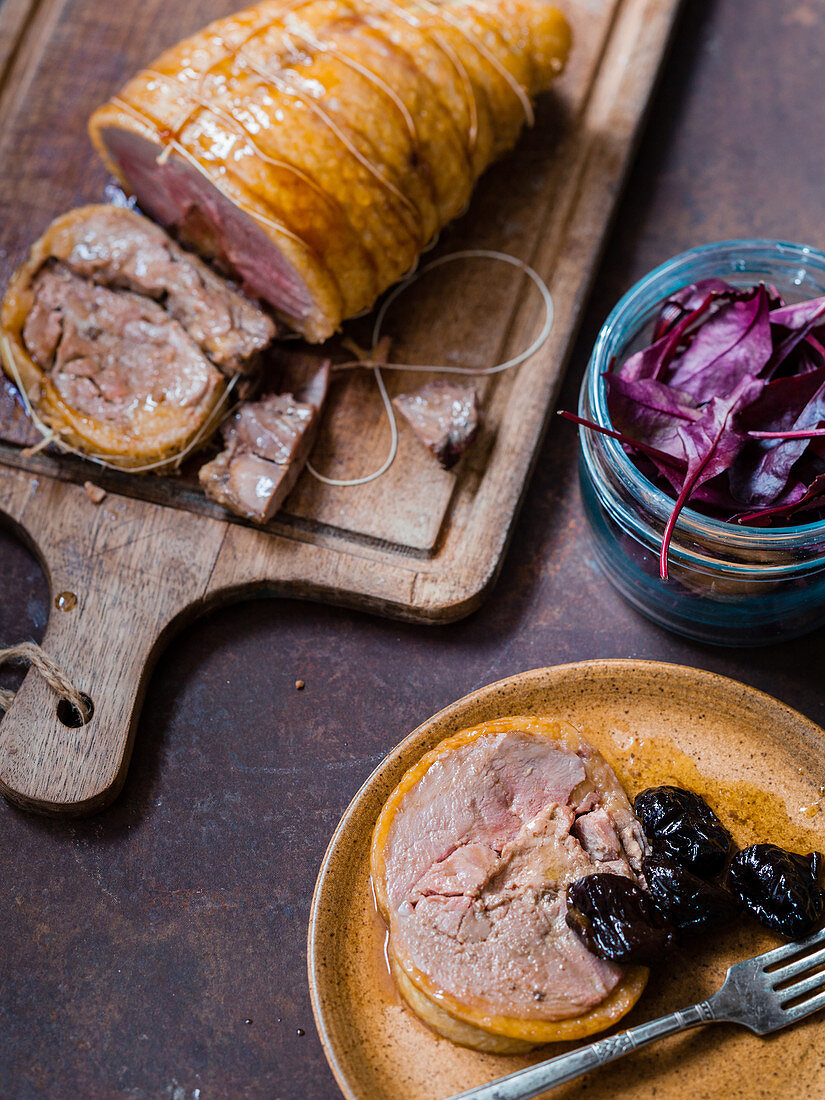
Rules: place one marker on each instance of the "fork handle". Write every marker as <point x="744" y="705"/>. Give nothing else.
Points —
<point x="535" y="1079"/>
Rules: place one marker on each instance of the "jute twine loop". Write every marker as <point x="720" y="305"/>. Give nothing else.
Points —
<point x="49" y="669"/>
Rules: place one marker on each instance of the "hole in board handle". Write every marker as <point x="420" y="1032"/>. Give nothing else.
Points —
<point x="70" y="716"/>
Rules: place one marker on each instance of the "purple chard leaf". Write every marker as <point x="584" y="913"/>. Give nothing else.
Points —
<point x="634" y="444"/>
<point x="781" y="401"/>
<point x="800" y="315"/>
<point x="798" y="498"/>
<point x="764" y="480"/>
<point x="650" y="411"/>
<point x="733" y="343"/>
<point x="688" y="299"/>
<point x="653" y="361"/>
<point x="801" y="319"/>
<point x="711" y="445"/>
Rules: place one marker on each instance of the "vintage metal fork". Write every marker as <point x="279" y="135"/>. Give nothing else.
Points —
<point x="764" y="994"/>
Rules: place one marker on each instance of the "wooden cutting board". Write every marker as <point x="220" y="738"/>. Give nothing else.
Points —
<point x="418" y="543"/>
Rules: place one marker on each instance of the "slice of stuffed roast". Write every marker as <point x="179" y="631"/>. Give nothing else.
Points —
<point x="121" y="341"/>
<point x="471" y="857"/>
<point x="313" y="148"/>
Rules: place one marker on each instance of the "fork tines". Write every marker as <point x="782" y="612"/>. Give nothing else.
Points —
<point x="794" y="981"/>
<point x="791" y="950"/>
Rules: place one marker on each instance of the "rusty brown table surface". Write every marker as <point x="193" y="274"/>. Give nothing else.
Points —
<point x="158" y="949"/>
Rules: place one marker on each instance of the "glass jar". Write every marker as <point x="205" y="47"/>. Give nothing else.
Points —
<point x="729" y="584"/>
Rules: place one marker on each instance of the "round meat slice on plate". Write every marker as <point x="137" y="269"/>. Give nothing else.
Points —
<point x="471" y="858"/>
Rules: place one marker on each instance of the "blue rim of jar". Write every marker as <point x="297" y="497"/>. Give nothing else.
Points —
<point x="664" y="280"/>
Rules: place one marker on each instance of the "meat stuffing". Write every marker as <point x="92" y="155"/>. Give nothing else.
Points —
<point x="471" y="861"/>
<point x="123" y="250"/>
<point x="106" y="351"/>
<point x="444" y="416"/>
<point x="314" y="149"/>
<point x="121" y="339"/>
<point x="267" y="443"/>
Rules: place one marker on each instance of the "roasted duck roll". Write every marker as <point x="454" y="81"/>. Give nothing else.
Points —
<point x="314" y="147"/>
<point x="121" y="341"/>
<point x="471" y="857"/>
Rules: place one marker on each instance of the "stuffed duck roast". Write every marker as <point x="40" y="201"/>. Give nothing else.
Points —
<point x="470" y="860"/>
<point x="121" y="340"/>
<point x="308" y="150"/>
<point x="313" y="148"/>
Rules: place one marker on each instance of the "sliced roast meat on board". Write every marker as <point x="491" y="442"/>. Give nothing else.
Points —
<point x="121" y="340"/>
<point x="131" y="253"/>
<point x="105" y="350"/>
<point x="444" y="415"/>
<point x="267" y="443"/>
<point x="314" y="148"/>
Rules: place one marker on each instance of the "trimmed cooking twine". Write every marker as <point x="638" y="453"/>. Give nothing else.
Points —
<point x="376" y="359"/>
<point x="51" y="672"/>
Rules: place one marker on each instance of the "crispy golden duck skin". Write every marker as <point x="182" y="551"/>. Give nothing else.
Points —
<point x="315" y="147"/>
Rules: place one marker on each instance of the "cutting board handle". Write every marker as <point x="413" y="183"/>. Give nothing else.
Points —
<point x="47" y="765"/>
<point x="119" y="574"/>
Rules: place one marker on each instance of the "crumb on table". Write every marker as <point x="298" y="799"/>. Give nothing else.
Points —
<point x="94" y="492"/>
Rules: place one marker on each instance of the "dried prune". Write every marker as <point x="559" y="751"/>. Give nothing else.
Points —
<point x="781" y="889"/>
<point x="681" y="826"/>
<point x="616" y="920"/>
<point x="689" y="903"/>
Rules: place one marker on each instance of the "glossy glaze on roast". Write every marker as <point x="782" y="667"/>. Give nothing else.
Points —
<point x="316" y="147"/>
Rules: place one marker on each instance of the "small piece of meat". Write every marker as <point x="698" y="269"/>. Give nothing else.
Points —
<point x="306" y="376"/>
<point x="267" y="443"/>
<point x="598" y="836"/>
<point x="445" y="417"/>
<point x="107" y="351"/>
<point x="612" y="799"/>
<point x="462" y="872"/>
<point x="122" y="250"/>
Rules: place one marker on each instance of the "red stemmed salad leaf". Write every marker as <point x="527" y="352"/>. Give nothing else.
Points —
<point x="802" y="499"/>
<point x="801" y="320"/>
<point x="801" y="315"/>
<point x="643" y="448"/>
<point x="734" y="342"/>
<point x="650" y="410"/>
<point x="711" y="444"/>
<point x="653" y="361"/>
<point x="688" y="299"/>
<point x="762" y="481"/>
<point x="724" y="409"/>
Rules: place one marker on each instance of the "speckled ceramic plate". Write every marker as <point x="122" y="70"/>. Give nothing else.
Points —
<point x="759" y="763"/>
